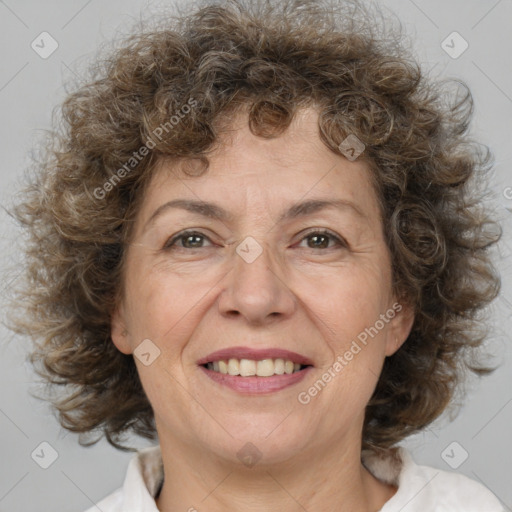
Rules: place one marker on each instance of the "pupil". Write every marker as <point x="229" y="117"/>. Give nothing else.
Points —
<point x="316" y="237"/>
<point x="192" y="237"/>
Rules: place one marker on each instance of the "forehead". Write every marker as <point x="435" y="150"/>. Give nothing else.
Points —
<point x="262" y="174"/>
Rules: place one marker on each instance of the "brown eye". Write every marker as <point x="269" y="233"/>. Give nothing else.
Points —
<point x="321" y="240"/>
<point x="187" y="240"/>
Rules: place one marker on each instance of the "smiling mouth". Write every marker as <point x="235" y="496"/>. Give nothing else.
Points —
<point x="255" y="368"/>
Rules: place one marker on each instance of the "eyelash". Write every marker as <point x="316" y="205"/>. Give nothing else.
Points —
<point x="170" y="244"/>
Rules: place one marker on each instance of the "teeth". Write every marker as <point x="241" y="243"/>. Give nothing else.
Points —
<point x="234" y="367"/>
<point x="249" y="367"/>
<point x="265" y="368"/>
<point x="279" y="366"/>
<point x="223" y="367"/>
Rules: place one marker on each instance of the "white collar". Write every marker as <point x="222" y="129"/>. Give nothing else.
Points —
<point x="420" y="488"/>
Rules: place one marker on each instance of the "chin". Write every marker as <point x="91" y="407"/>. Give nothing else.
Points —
<point x="268" y="440"/>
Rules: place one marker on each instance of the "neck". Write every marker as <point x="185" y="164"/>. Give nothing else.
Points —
<point x="329" y="480"/>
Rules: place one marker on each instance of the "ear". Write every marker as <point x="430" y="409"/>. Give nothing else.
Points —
<point x="399" y="327"/>
<point x="118" y="330"/>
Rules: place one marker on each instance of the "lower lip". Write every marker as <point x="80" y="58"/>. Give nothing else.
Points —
<point x="256" y="385"/>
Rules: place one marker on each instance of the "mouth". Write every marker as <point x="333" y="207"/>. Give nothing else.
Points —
<point x="250" y="370"/>
<point x="255" y="368"/>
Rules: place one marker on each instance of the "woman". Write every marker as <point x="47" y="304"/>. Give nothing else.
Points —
<point x="256" y="240"/>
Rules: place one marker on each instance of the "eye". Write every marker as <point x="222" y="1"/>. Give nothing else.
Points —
<point x="186" y="240"/>
<point x="195" y="240"/>
<point x="321" y="238"/>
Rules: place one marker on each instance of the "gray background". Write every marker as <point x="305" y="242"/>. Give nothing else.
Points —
<point x="29" y="89"/>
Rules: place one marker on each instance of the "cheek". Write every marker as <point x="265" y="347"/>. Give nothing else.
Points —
<point x="163" y="305"/>
<point x="357" y="334"/>
<point x="347" y="300"/>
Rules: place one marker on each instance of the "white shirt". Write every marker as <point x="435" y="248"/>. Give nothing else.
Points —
<point x="420" y="488"/>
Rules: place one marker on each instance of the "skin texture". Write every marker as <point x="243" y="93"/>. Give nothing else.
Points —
<point x="308" y="296"/>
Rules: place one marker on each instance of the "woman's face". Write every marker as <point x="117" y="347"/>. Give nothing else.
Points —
<point x="265" y="270"/>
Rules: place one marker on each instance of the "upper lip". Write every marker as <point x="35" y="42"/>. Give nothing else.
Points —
<point x="254" y="354"/>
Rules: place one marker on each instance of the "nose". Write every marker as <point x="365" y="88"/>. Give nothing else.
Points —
<point x="256" y="290"/>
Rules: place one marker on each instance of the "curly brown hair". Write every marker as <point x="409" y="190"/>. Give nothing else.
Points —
<point x="271" y="58"/>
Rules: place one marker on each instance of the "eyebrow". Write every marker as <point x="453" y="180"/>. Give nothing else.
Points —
<point x="214" y="211"/>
